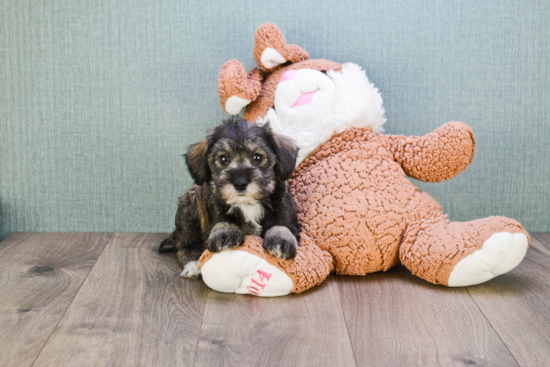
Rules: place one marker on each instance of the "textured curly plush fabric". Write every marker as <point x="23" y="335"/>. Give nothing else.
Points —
<point x="234" y="81"/>
<point x="269" y="35"/>
<point x="436" y="157"/>
<point x="431" y="248"/>
<point x="360" y="214"/>
<point x="355" y="201"/>
<point x="358" y="211"/>
<point x="310" y="267"/>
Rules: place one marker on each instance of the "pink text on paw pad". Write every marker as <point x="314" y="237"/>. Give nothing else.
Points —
<point x="259" y="286"/>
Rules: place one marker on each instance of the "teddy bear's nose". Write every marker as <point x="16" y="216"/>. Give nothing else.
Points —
<point x="288" y="75"/>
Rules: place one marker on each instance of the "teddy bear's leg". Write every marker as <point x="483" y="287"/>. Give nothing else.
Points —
<point x="250" y="269"/>
<point x="461" y="254"/>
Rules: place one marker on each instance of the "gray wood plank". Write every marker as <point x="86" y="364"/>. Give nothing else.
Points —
<point x="396" y="319"/>
<point x="133" y="310"/>
<point x="40" y="273"/>
<point x="518" y="305"/>
<point x="543" y="239"/>
<point x="298" y="330"/>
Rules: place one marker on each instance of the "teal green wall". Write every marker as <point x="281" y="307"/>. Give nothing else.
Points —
<point x="99" y="98"/>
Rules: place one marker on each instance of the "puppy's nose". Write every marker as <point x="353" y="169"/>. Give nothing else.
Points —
<point x="240" y="183"/>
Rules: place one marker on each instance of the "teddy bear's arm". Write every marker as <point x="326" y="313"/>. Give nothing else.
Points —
<point x="435" y="157"/>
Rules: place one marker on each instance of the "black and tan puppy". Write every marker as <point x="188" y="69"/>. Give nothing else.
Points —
<point x="240" y="171"/>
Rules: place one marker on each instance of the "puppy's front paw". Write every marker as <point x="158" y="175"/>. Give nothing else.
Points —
<point x="224" y="236"/>
<point x="191" y="270"/>
<point x="280" y="242"/>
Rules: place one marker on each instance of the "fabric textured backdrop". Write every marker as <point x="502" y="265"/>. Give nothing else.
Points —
<point x="99" y="98"/>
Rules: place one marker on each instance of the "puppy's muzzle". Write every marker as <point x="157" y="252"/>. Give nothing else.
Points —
<point x="240" y="184"/>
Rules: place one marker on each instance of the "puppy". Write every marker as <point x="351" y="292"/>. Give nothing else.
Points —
<point x="240" y="172"/>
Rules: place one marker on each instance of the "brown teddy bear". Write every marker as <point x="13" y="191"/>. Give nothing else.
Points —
<point x="357" y="210"/>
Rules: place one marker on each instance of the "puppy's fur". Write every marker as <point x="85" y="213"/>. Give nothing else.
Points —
<point x="240" y="171"/>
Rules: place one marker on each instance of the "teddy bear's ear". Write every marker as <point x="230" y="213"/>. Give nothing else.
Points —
<point x="237" y="88"/>
<point x="271" y="50"/>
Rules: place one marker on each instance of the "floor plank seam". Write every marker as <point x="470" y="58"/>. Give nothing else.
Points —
<point x="200" y="329"/>
<point x="492" y="326"/>
<point x="345" y="321"/>
<point x="229" y="342"/>
<point x="72" y="300"/>
<point x="540" y="239"/>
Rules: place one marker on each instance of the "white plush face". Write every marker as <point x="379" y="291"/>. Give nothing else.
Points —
<point x="303" y="94"/>
<point x="311" y="106"/>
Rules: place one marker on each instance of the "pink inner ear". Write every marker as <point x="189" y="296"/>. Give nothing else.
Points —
<point x="288" y="75"/>
<point x="304" y="99"/>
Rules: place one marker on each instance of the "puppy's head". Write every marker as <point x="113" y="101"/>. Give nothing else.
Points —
<point x="242" y="161"/>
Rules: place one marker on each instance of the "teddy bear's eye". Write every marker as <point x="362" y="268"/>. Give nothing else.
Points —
<point x="224" y="159"/>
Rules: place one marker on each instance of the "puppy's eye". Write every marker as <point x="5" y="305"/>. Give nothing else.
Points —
<point x="224" y="159"/>
<point x="258" y="158"/>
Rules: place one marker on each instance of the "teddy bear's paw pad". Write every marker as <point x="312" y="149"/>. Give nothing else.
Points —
<point x="499" y="254"/>
<point x="234" y="271"/>
<point x="271" y="58"/>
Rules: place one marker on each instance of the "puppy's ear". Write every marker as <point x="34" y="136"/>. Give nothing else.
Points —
<point x="197" y="162"/>
<point x="286" y="153"/>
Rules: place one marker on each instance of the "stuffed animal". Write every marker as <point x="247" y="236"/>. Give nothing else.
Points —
<point x="357" y="210"/>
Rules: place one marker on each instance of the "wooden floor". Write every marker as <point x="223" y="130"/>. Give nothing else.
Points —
<point x="78" y="299"/>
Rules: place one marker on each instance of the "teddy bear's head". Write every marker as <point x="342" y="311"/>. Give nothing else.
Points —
<point x="308" y="100"/>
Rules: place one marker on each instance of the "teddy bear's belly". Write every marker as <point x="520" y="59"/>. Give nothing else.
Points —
<point x="353" y="204"/>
